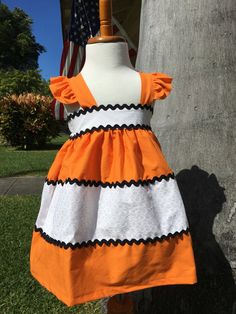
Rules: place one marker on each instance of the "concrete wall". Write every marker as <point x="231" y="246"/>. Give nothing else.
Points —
<point x="194" y="42"/>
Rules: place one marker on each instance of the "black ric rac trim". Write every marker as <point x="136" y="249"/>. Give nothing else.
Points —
<point x="113" y="184"/>
<point x="108" y="107"/>
<point x="108" y="242"/>
<point x="111" y="127"/>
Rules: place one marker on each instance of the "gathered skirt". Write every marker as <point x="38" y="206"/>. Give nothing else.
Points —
<point x="111" y="219"/>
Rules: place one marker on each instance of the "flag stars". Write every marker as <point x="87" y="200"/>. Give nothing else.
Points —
<point x="84" y="22"/>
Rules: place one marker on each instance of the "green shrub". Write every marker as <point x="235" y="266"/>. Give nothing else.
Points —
<point x="27" y="119"/>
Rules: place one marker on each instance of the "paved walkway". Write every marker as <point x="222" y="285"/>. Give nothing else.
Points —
<point x="21" y="185"/>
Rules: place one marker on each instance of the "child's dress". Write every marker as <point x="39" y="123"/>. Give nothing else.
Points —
<point x="111" y="218"/>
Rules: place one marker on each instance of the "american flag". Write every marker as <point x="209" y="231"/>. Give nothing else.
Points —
<point x="84" y="23"/>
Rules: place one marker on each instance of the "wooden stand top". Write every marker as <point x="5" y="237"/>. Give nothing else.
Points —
<point x="106" y="31"/>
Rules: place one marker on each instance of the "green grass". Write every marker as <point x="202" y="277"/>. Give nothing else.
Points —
<point x="16" y="162"/>
<point x="19" y="291"/>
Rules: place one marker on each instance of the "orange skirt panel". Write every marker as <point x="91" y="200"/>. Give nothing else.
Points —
<point x="110" y="156"/>
<point x="90" y="273"/>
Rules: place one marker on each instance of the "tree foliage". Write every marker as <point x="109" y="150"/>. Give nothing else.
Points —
<point x="18" y="82"/>
<point x="19" y="54"/>
<point x="18" y="46"/>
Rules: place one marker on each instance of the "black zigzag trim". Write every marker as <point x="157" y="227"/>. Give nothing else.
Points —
<point x="111" y="127"/>
<point x="108" y="107"/>
<point x="113" y="184"/>
<point x="108" y="242"/>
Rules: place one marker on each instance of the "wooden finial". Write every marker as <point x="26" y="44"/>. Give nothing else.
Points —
<point x="105" y="13"/>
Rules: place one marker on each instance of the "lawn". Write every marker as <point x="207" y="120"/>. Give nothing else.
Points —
<point x="19" y="291"/>
<point x="16" y="162"/>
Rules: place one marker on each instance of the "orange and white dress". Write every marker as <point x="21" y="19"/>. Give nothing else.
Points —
<point x="111" y="218"/>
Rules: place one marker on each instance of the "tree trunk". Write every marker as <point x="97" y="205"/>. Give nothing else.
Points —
<point x="194" y="42"/>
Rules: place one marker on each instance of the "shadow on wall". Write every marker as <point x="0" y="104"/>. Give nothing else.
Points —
<point x="215" y="292"/>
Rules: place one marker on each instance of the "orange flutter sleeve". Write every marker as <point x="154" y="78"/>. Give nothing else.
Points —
<point x="61" y="90"/>
<point x="161" y="85"/>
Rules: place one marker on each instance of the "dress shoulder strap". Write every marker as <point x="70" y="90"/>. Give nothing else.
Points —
<point x="71" y="91"/>
<point x="82" y="92"/>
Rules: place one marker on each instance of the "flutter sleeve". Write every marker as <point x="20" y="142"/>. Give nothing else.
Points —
<point x="61" y="90"/>
<point x="161" y="85"/>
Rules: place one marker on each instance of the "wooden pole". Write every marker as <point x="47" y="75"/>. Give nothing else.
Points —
<point x="105" y="14"/>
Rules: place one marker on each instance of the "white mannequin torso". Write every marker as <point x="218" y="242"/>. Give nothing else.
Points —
<point x="110" y="75"/>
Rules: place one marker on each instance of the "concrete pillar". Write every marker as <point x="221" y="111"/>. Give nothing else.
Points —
<point x="194" y="42"/>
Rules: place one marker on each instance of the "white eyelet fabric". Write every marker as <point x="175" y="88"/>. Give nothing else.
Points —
<point x="73" y="213"/>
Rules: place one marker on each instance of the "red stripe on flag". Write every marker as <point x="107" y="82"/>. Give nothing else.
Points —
<point x="66" y="47"/>
<point x="115" y="28"/>
<point x="83" y="59"/>
<point x="73" y="60"/>
<point x="53" y="103"/>
<point x="132" y="52"/>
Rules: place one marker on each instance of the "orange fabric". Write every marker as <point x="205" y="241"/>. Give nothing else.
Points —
<point x="61" y="90"/>
<point x="160" y="85"/>
<point x="81" y="275"/>
<point x="155" y="85"/>
<point x="110" y="156"/>
<point x="146" y="88"/>
<point x="74" y="90"/>
<point x="85" y="274"/>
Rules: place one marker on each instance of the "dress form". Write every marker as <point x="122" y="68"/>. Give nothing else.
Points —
<point x="110" y="75"/>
